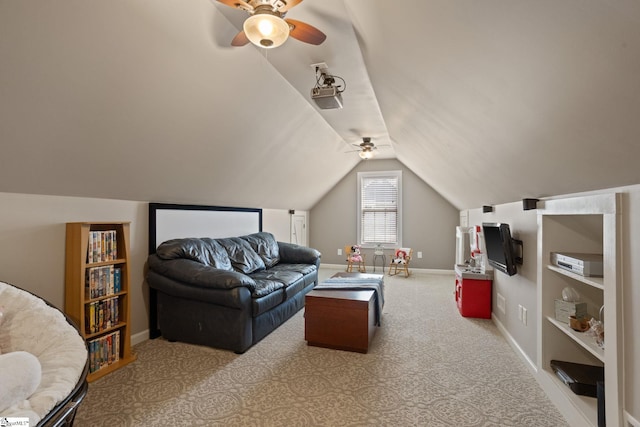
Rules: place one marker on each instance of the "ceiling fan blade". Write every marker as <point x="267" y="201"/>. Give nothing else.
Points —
<point x="288" y="4"/>
<point x="240" y="39"/>
<point x="305" y="32"/>
<point x="237" y="4"/>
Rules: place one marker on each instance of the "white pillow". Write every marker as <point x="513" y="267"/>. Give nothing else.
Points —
<point x="20" y="375"/>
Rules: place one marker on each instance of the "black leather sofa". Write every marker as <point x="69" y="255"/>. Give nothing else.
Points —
<point x="229" y="293"/>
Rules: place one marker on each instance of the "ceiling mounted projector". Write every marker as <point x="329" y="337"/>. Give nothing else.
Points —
<point x="326" y="93"/>
<point x="327" y="98"/>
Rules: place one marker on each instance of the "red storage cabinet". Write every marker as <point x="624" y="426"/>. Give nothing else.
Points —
<point x="473" y="293"/>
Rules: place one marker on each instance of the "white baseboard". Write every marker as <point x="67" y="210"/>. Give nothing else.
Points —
<point x="560" y="400"/>
<point x="332" y="266"/>
<point x="516" y="347"/>
<point x="139" y="337"/>
<point x="370" y="269"/>
<point x="631" y="421"/>
<point x="432" y="271"/>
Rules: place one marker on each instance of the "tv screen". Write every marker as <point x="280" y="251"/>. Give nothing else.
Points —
<point x="499" y="246"/>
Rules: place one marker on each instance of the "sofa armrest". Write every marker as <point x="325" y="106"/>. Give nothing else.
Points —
<point x="291" y="253"/>
<point x="237" y="298"/>
<point x="197" y="274"/>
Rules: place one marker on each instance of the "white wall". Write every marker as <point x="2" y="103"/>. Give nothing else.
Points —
<point x="278" y="223"/>
<point x="522" y="288"/>
<point x="32" y="242"/>
<point x="428" y="220"/>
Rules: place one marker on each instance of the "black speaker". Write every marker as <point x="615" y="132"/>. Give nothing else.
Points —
<point x="529" y="204"/>
<point x="292" y="211"/>
<point x="486" y="209"/>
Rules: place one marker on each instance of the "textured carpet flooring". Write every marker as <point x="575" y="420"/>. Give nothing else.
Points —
<point x="427" y="366"/>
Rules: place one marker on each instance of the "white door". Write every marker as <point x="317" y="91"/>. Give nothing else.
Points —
<point x="299" y="229"/>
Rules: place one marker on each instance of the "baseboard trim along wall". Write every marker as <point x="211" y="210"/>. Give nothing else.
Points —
<point x="378" y="269"/>
<point x="512" y="342"/>
<point x="631" y="421"/>
<point x="139" y="337"/>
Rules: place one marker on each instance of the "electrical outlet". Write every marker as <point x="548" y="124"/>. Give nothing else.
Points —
<point x="339" y="251"/>
<point x="501" y="303"/>
<point x="524" y="316"/>
<point x="419" y="254"/>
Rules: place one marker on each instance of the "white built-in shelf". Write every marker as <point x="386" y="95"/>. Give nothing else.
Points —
<point x="581" y="224"/>
<point x="596" y="282"/>
<point x="582" y="338"/>
<point x="587" y="405"/>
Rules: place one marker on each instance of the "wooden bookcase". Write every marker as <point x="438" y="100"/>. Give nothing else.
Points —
<point x="78" y="300"/>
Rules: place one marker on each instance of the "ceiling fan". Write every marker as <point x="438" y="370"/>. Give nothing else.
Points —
<point x="266" y="26"/>
<point x="366" y="148"/>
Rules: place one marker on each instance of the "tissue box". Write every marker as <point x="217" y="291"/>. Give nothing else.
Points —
<point x="564" y="309"/>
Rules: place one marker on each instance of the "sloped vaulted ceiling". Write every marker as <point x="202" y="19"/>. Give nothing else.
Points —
<point x="497" y="100"/>
<point x="488" y="102"/>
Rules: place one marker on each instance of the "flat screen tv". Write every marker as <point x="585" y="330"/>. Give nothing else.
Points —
<point x="500" y="247"/>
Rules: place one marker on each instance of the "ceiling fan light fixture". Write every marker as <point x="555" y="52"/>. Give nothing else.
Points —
<point x="365" y="154"/>
<point x="266" y="29"/>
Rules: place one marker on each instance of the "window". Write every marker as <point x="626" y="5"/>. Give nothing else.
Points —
<point x="379" y="208"/>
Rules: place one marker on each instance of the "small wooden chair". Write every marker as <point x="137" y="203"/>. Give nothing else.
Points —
<point x="400" y="261"/>
<point x="354" y="258"/>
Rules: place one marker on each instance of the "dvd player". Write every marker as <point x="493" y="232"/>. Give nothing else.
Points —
<point x="579" y="263"/>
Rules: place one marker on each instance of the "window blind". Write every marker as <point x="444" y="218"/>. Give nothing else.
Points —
<point x="379" y="209"/>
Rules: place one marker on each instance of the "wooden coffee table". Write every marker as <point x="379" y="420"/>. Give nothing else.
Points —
<point x="342" y="319"/>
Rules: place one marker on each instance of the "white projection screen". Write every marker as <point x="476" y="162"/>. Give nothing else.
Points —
<point x="173" y="221"/>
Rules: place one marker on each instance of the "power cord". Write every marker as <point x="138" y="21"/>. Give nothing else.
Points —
<point x="329" y="80"/>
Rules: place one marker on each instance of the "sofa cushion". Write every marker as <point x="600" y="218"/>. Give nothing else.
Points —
<point x="203" y="250"/>
<point x="309" y="272"/>
<point x="266" y="287"/>
<point x="243" y="258"/>
<point x="302" y="269"/>
<point x="266" y="246"/>
<point x="264" y="301"/>
<point x="293" y="281"/>
<point x="295" y="288"/>
<point x="278" y="275"/>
